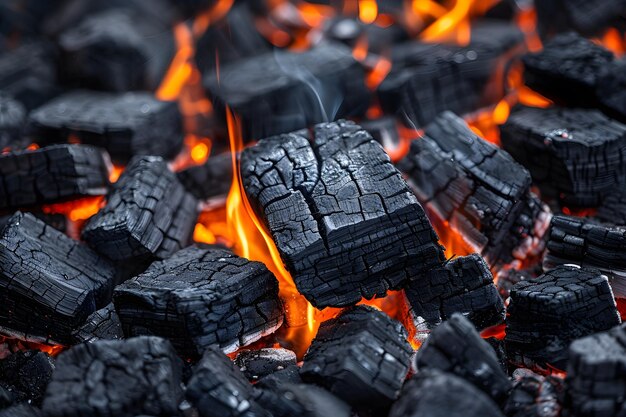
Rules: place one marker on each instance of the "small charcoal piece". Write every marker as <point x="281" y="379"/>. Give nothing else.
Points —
<point x="281" y="91"/>
<point x="51" y="174"/>
<point x="201" y="297"/>
<point x="434" y="393"/>
<point x="148" y="214"/>
<point x="256" y="364"/>
<point x="463" y="285"/>
<point x="583" y="242"/>
<point x="574" y="155"/>
<point x="286" y="376"/>
<point x="49" y="283"/>
<point x="21" y="410"/>
<point x="303" y="401"/>
<point x="124" y="124"/>
<point x="116" y="378"/>
<point x="26" y="375"/>
<point x="456" y="347"/>
<point x="612" y="210"/>
<point x="547" y="313"/>
<point x="103" y="324"/>
<point x="596" y="373"/>
<point x="12" y="120"/>
<point x="362" y="356"/>
<point x="219" y="389"/>
<point x="533" y="395"/>
<point x="475" y="186"/>
<point x="343" y="219"/>
<point x="590" y="18"/>
<point x="209" y="180"/>
<point x="116" y="50"/>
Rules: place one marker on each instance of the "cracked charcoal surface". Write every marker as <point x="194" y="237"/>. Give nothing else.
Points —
<point x="148" y="214"/>
<point x="26" y="374"/>
<point x="103" y="324"/>
<point x="58" y="221"/>
<point x="434" y="393"/>
<point x="474" y="185"/>
<point x="256" y="364"/>
<point x="463" y="285"/>
<point x="574" y="155"/>
<point x="21" y="410"/>
<point x="272" y="92"/>
<point x="49" y="283"/>
<point x="611" y="90"/>
<point x="12" y="119"/>
<point x="51" y="174"/>
<point x="116" y="378"/>
<point x="303" y="401"/>
<point x="219" y="389"/>
<point x="343" y="219"/>
<point x="534" y="395"/>
<point x="199" y="298"/>
<point x="124" y="124"/>
<point x="209" y="180"/>
<point x="547" y="313"/>
<point x="456" y="347"/>
<point x="574" y="240"/>
<point x="596" y="374"/>
<point x="361" y="356"/>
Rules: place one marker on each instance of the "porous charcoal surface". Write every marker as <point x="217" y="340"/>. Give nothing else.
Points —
<point x="103" y="324"/>
<point x="534" y="395"/>
<point x="25" y="374"/>
<point x="211" y="179"/>
<point x="256" y="364"/>
<point x="12" y="119"/>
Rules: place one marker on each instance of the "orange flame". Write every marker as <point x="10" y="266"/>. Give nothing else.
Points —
<point x="368" y="11"/>
<point x="76" y="210"/>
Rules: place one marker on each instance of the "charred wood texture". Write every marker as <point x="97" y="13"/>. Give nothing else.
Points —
<point x="12" y="120"/>
<point x="456" y="347"/>
<point x="463" y="285"/>
<point x="26" y="375"/>
<point x="148" y="214"/>
<point x="361" y="356"/>
<point x="574" y="155"/>
<point x="281" y="91"/>
<point x="49" y="283"/>
<point x="547" y="313"/>
<point x="209" y="180"/>
<point x="612" y="210"/>
<point x="124" y="124"/>
<point x="303" y="401"/>
<point x="103" y="324"/>
<point x="439" y="394"/>
<point x="534" y="395"/>
<point x="51" y="174"/>
<point x="256" y="364"/>
<point x="596" y="374"/>
<point x="58" y="221"/>
<point x="201" y="297"/>
<point x="114" y="378"/>
<point x="574" y="240"/>
<point x="343" y="219"/>
<point x="475" y="186"/>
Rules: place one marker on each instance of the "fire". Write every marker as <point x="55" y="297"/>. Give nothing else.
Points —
<point x="614" y="41"/>
<point x="455" y="19"/>
<point x="76" y="210"/>
<point x="368" y="11"/>
<point x="13" y="345"/>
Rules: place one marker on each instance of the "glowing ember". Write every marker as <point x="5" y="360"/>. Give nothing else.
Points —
<point x="368" y="11"/>
<point x="76" y="210"/>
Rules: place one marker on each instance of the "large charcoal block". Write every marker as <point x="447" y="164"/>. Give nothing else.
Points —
<point x="361" y="356"/>
<point x="302" y="400"/>
<point x="148" y="214"/>
<point x="547" y="313"/>
<point x="124" y="124"/>
<point x="534" y="395"/>
<point x="343" y="219"/>
<point x="51" y="174"/>
<point x="103" y="324"/>
<point x="201" y="297"/>
<point x="209" y="180"/>
<point x="589" y="17"/>
<point x="26" y="375"/>
<point x="281" y="91"/>
<point x="463" y="285"/>
<point x="58" y="221"/>
<point x="12" y="120"/>
<point x="596" y="375"/>
<point x="49" y="283"/>
<point x="574" y="155"/>
<point x="116" y="378"/>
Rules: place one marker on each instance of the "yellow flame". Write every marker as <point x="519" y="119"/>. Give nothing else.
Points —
<point x="368" y="11"/>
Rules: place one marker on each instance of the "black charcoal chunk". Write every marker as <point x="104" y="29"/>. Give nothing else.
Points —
<point x="547" y="313"/>
<point x="21" y="410"/>
<point x="439" y="394"/>
<point x="589" y="17"/>
<point x="12" y="120"/>
<point x="256" y="364"/>
<point x="361" y="356"/>
<point x="281" y="91"/>
<point x="58" y="221"/>
<point x="612" y="210"/>
<point x="534" y="395"/>
<point x="463" y="285"/>
<point x="209" y="180"/>
<point x="611" y="91"/>
<point x="596" y="375"/>
<point x="201" y="297"/>
<point x="148" y="214"/>
<point x="125" y="124"/>
<point x="26" y="374"/>
<point x="51" y="174"/>
<point x="103" y="324"/>
<point x="116" y="378"/>
<point x="497" y="345"/>
<point x="6" y="398"/>
<point x="286" y="376"/>
<point x="49" y="283"/>
<point x="303" y="401"/>
<point x="343" y="219"/>
<point x="576" y="156"/>
<point x="508" y="277"/>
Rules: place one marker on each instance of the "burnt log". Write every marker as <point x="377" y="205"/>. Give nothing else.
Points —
<point x="439" y="394"/>
<point x="103" y="324"/>
<point x="49" y="283"/>
<point x="12" y="120"/>
<point x="456" y="347"/>
<point x="547" y="313"/>
<point x="51" y="174"/>
<point x="596" y="372"/>
<point x="26" y="375"/>
<point x="361" y="356"/>
<point x="256" y="364"/>
<point x="116" y="378"/>
<point x="21" y="410"/>
<point x="463" y="285"/>
<point x="576" y="156"/>
<point x="148" y="214"/>
<point x="124" y="124"/>
<point x="534" y="395"/>
<point x="343" y="219"/>
<point x="303" y="401"/>
<point x="201" y="297"/>
<point x="212" y="179"/>
<point x="281" y="91"/>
